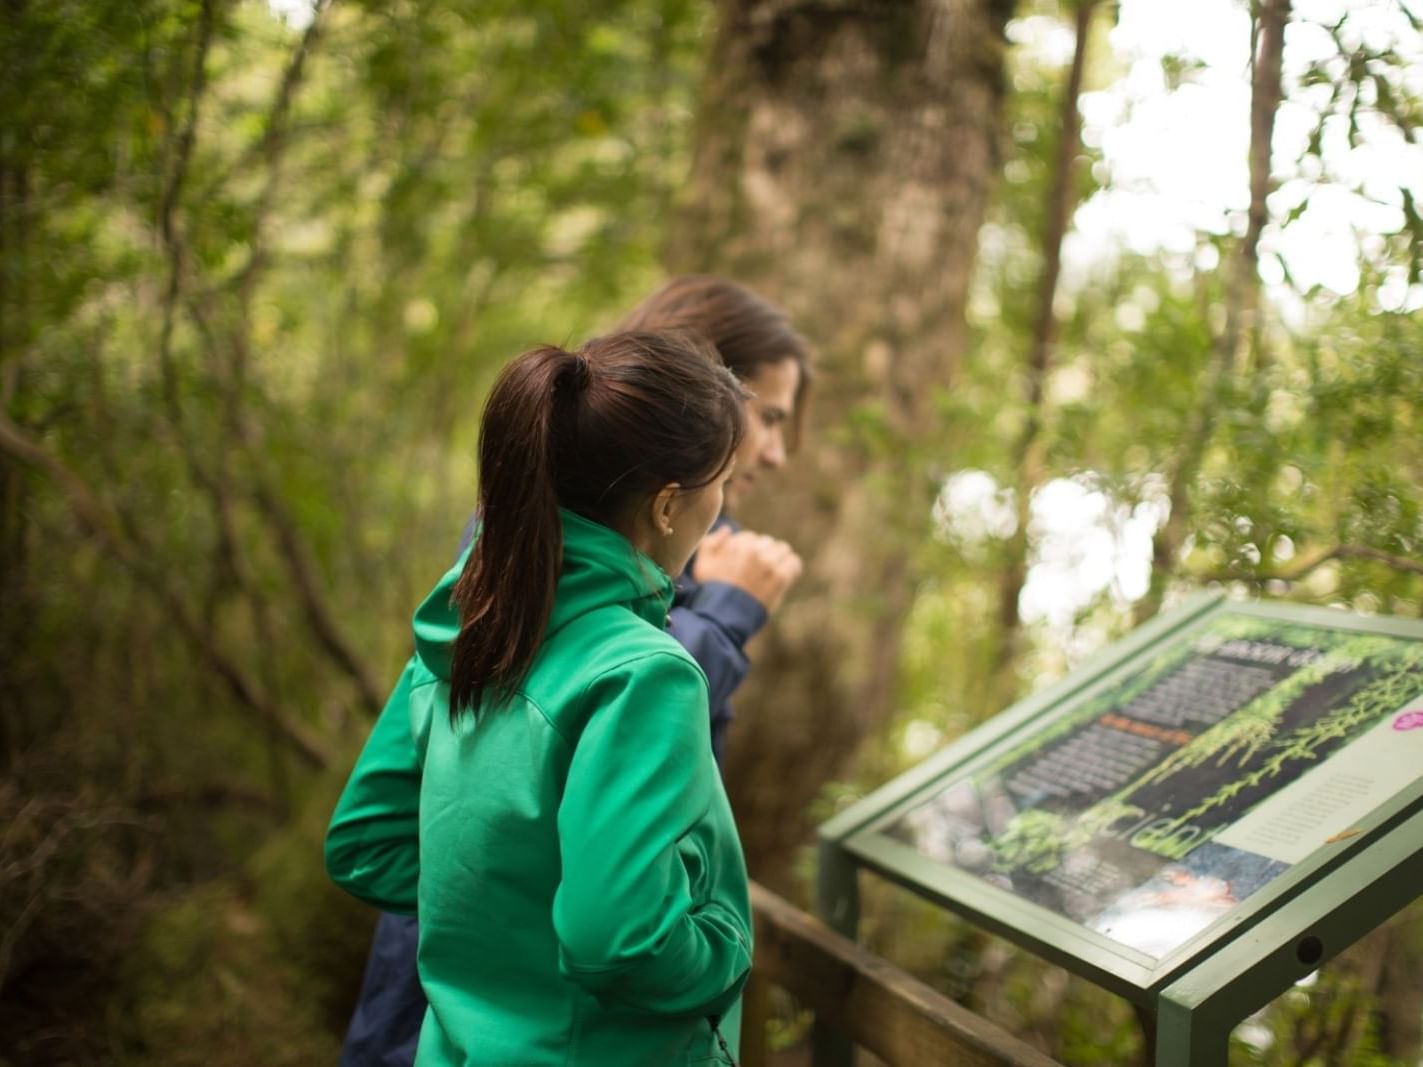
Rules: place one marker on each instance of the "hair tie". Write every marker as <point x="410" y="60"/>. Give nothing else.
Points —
<point x="582" y="372"/>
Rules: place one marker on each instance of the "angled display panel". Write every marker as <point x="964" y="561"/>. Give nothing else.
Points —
<point x="1172" y="793"/>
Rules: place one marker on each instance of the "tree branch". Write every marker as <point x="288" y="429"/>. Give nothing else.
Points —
<point x="167" y="214"/>
<point x="286" y="531"/>
<point x="272" y="147"/>
<point x="212" y="481"/>
<point x="133" y="556"/>
<point x="318" y="615"/>
<point x="1307" y="564"/>
<point x="211" y="795"/>
<point x="1265" y="95"/>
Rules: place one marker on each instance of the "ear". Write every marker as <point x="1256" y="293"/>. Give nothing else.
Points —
<point x="663" y="509"/>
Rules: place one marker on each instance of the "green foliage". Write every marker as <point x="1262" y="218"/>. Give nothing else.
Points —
<point x="208" y="986"/>
<point x="255" y="280"/>
<point x="1308" y="481"/>
<point x="259" y="966"/>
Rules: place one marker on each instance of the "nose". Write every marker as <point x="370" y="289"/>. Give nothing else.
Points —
<point x="773" y="452"/>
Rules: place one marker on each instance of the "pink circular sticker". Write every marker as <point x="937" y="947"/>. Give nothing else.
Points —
<point x="1409" y="720"/>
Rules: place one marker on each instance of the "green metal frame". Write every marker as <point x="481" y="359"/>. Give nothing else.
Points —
<point x="1199" y="1009"/>
<point x="1202" y="989"/>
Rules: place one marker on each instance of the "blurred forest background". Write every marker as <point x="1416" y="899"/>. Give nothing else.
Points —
<point x="1113" y="301"/>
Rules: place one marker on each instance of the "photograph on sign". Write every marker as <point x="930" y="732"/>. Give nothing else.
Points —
<point x="1149" y="811"/>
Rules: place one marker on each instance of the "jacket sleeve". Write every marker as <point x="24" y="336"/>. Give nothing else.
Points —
<point x="713" y="623"/>
<point x="641" y="776"/>
<point x="373" y="842"/>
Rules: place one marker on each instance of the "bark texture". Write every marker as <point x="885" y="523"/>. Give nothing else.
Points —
<point x="845" y="156"/>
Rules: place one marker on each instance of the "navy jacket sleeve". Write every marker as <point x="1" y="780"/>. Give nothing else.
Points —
<point x="713" y="621"/>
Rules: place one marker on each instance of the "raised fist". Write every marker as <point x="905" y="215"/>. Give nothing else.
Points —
<point x="762" y="566"/>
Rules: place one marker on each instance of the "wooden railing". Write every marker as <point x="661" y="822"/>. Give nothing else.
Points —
<point x="872" y="1002"/>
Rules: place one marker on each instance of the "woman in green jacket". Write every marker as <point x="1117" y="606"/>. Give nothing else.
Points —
<point x="563" y="832"/>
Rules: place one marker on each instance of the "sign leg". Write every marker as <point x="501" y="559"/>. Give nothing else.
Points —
<point x="837" y="901"/>
<point x="1200" y="1008"/>
<point x="1189" y="1037"/>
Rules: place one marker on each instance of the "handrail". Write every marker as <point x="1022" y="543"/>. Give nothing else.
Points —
<point x="900" y="1019"/>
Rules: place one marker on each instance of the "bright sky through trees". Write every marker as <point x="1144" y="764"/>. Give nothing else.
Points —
<point x="297" y="13"/>
<point x="1177" y="160"/>
<point x="1176" y="156"/>
<point x="1174" y="168"/>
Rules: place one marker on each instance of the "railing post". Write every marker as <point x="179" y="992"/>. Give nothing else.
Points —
<point x="837" y="901"/>
<point x="755" y="1013"/>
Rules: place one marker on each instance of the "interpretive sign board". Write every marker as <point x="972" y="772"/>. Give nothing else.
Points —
<point x="1165" y="797"/>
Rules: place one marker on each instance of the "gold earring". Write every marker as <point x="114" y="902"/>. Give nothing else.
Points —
<point x="667" y="532"/>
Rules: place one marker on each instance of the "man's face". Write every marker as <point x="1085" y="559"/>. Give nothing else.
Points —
<point x="769" y="410"/>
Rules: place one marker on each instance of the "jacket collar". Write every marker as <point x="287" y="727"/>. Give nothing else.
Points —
<point x="601" y="568"/>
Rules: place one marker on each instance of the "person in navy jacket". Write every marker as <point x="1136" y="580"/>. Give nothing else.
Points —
<point x="731" y="587"/>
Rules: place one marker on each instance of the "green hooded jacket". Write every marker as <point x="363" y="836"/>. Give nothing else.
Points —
<point x="571" y="854"/>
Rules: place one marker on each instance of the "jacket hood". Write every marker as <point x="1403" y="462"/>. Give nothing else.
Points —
<point x="601" y="568"/>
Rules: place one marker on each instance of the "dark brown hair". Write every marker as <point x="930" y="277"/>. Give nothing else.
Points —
<point x="595" y="431"/>
<point x="748" y="331"/>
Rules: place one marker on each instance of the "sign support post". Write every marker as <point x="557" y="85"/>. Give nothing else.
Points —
<point x="837" y="893"/>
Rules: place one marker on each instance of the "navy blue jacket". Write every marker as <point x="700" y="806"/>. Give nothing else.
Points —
<point x="711" y="620"/>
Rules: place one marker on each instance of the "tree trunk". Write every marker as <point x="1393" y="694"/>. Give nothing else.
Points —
<point x="1242" y="303"/>
<point x="844" y="161"/>
<point x="14" y="335"/>
<point x="1027" y="456"/>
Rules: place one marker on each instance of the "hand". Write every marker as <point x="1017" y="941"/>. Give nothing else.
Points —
<point x="760" y="565"/>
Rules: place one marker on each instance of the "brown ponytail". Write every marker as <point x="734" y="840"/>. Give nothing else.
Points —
<point x="596" y="432"/>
